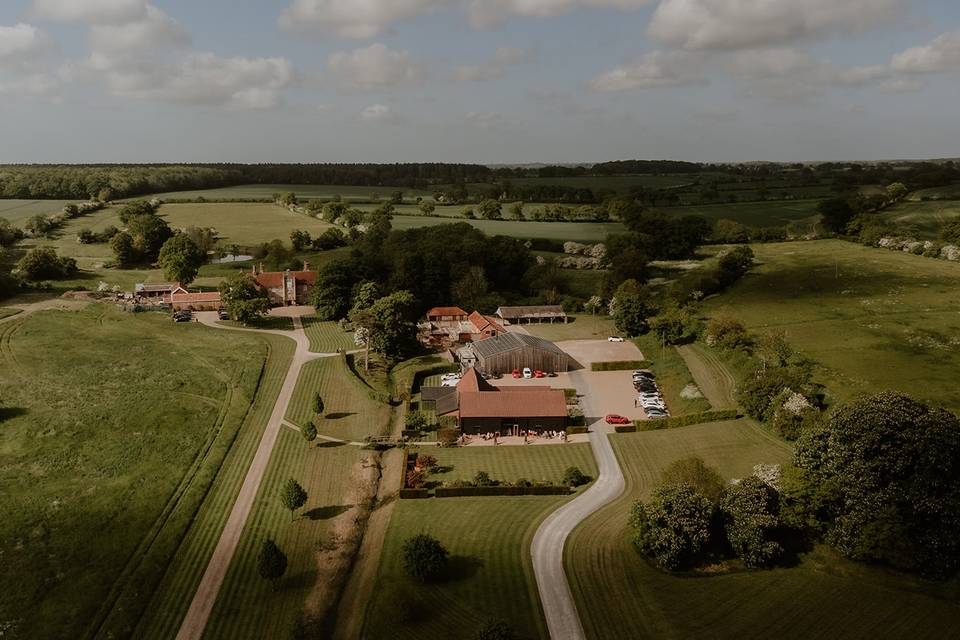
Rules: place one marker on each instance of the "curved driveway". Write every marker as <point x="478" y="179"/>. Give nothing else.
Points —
<point x="548" y="543"/>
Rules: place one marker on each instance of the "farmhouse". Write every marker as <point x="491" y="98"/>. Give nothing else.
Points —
<point x="287" y="287"/>
<point x="154" y="290"/>
<point x="537" y="313"/>
<point x="446" y="326"/>
<point x="504" y="352"/>
<point x="480" y="407"/>
<point x="180" y="298"/>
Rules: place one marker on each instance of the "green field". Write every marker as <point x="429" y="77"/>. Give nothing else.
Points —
<point x="249" y="606"/>
<point x="350" y="413"/>
<point x="307" y="191"/>
<point x="620" y="595"/>
<point x="18" y="211"/>
<point x="108" y="448"/>
<point x="873" y="319"/>
<point x="166" y="608"/>
<point x="755" y="214"/>
<point x="922" y="219"/>
<point x="6" y="312"/>
<point x="326" y="336"/>
<point x="243" y="223"/>
<point x="488" y="540"/>
<point x="582" y="326"/>
<point x="562" y="231"/>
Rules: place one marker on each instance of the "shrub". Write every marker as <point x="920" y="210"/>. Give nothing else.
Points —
<point x="424" y="558"/>
<point x="494" y="630"/>
<point x="427" y="462"/>
<point x="625" y="428"/>
<point x="416" y="479"/>
<point x="619" y="365"/>
<point x="751" y="515"/>
<point x="674" y="527"/>
<point x="723" y="331"/>
<point x="415" y="421"/>
<point x="309" y="432"/>
<point x="685" y="420"/>
<point x="482" y="479"/>
<point x="43" y="263"/>
<point x="446" y="436"/>
<point x="574" y="477"/>
<point x="694" y="472"/>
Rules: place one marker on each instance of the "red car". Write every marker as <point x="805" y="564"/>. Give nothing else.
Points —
<point x="539" y="374"/>
<point x="615" y="418"/>
<point x="516" y="373"/>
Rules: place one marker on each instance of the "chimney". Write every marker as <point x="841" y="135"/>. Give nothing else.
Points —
<point x="306" y="266"/>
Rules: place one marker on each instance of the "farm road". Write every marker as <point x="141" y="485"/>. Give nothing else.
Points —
<point x="711" y="375"/>
<point x="559" y="608"/>
<point x="201" y="606"/>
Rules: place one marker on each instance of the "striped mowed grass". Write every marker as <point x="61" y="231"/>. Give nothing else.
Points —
<point x="172" y="598"/>
<point x="620" y="595"/>
<point x="326" y="336"/>
<point x="488" y="540"/>
<point x="251" y="607"/>
<point x="349" y="412"/>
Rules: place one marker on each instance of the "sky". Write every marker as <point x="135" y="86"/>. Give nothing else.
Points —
<point x="485" y="81"/>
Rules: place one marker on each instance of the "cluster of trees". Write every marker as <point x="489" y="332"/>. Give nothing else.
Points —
<point x="143" y="235"/>
<point x="852" y="215"/>
<point x="243" y="297"/>
<point x="43" y="263"/>
<point x="694" y="517"/>
<point x="732" y="232"/>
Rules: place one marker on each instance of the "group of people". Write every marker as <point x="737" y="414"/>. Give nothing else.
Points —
<point x="528" y="435"/>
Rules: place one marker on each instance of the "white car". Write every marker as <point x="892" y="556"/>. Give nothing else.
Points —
<point x="451" y="382"/>
<point x="527" y="373"/>
<point x="450" y="376"/>
<point x="614" y="339"/>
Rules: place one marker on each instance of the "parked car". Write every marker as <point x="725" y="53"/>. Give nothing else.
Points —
<point x="182" y="318"/>
<point x="616" y="418"/>
<point x="614" y="339"/>
<point x="450" y="376"/>
<point x="223" y="314"/>
<point x="654" y="414"/>
<point x="527" y="373"/>
<point x="539" y="374"/>
<point x="516" y="373"/>
<point x="449" y="382"/>
<point x="643" y="373"/>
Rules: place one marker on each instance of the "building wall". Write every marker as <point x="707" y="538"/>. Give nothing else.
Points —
<point x="505" y="426"/>
<point x="532" y="357"/>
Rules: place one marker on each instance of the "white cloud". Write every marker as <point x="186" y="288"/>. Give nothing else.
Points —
<point x="199" y="79"/>
<point x="788" y="74"/>
<point x="942" y="54"/>
<point x="487" y="120"/>
<point x="377" y="113"/>
<point x="353" y="18"/>
<point x="503" y="58"/>
<point x="743" y="24"/>
<point x="652" y="70"/>
<point x="485" y="14"/>
<point x="374" y="67"/>
<point x="91" y="11"/>
<point x="23" y="47"/>
<point x="34" y="85"/>
<point x="153" y="29"/>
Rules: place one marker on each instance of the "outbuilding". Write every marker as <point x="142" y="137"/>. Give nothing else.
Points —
<point x="529" y="314"/>
<point x="504" y="352"/>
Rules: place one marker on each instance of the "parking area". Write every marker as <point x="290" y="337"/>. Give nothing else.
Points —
<point x="588" y="351"/>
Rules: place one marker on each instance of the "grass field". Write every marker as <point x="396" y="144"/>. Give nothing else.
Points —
<point x="620" y="595"/>
<point x="488" y="540"/>
<point x="874" y="319"/>
<point x="242" y="223"/>
<point x="753" y="214"/>
<point x="582" y="326"/>
<point x="307" y="191"/>
<point x="108" y="448"/>
<point x="562" y="231"/>
<point x="6" y="312"/>
<point x="326" y="336"/>
<point x="922" y="219"/>
<point x="350" y="413"/>
<point x="248" y="606"/>
<point x="166" y="608"/>
<point x="18" y="211"/>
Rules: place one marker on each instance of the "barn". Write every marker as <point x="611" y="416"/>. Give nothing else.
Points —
<point x="504" y="352"/>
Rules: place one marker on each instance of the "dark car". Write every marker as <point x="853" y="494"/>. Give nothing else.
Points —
<point x="223" y="315"/>
<point x="182" y="318"/>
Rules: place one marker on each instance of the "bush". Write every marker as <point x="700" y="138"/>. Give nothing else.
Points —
<point x="494" y="630"/>
<point x="625" y="428"/>
<point x="751" y="510"/>
<point x="576" y="430"/>
<point x="725" y="332"/>
<point x="685" y="420"/>
<point x="693" y="471"/>
<point x="619" y="365"/>
<point x="415" y="421"/>
<point x="43" y="263"/>
<point x="416" y="479"/>
<point x="574" y="477"/>
<point x="674" y="527"/>
<point x="482" y="479"/>
<point x="464" y="489"/>
<point x="424" y="558"/>
<point x="446" y="436"/>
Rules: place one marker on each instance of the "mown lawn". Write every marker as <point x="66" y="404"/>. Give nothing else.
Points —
<point x="873" y="319"/>
<point x="19" y="211"/>
<point x="581" y="326"/>
<point x="620" y="595"/>
<point x="6" y="312"/>
<point x="349" y="411"/>
<point x="326" y="336"/>
<point x="249" y="606"/>
<point x="488" y="540"/>
<point x="922" y="219"/>
<point x="242" y="223"/>
<point x="107" y="450"/>
<point x="562" y="231"/>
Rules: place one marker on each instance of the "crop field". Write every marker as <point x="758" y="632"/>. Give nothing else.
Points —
<point x="922" y="219"/>
<point x="249" y="606"/>
<point x="306" y="191"/>
<point x="169" y="603"/>
<point x="108" y="449"/>
<point x="326" y="336"/>
<point x="620" y="184"/>
<point x="488" y="540"/>
<point x="620" y="595"/>
<point x="349" y="412"/>
<point x="243" y="223"/>
<point x="947" y="192"/>
<point x="754" y="214"/>
<point x="18" y="211"/>
<point x="562" y="231"/>
<point x="873" y="319"/>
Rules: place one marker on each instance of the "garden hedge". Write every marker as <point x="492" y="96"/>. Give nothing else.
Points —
<point x="625" y="428"/>
<point x="406" y="494"/>
<point x="619" y="365"/>
<point x="687" y="420"/>
<point x="455" y="492"/>
<point x="573" y="430"/>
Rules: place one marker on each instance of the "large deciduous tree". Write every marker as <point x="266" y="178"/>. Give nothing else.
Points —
<point x="629" y="308"/>
<point x="243" y="297"/>
<point x="751" y="513"/>
<point x="424" y="558"/>
<point x="43" y="263"/>
<point x="271" y="562"/>
<point x="835" y="214"/>
<point x="180" y="259"/>
<point x="674" y="527"/>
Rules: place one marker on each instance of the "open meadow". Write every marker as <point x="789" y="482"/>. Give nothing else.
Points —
<point x="922" y="219"/>
<point x="488" y="539"/>
<point x="108" y="450"/>
<point x="873" y="319"/>
<point x="305" y="191"/>
<point x="243" y="223"/>
<point x="18" y="211"/>
<point x="620" y="594"/>
<point x="774" y="213"/>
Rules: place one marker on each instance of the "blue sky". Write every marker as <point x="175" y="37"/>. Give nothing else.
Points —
<point x="491" y="81"/>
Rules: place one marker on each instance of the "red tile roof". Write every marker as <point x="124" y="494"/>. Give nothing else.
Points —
<point x="195" y="298"/>
<point x="527" y="403"/>
<point x="485" y="323"/>
<point x="472" y="381"/>
<point x="274" y="279"/>
<point x="446" y="311"/>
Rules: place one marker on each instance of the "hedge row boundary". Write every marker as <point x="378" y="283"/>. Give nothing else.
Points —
<point x="456" y="492"/>
<point x="619" y="365"/>
<point x="685" y="421"/>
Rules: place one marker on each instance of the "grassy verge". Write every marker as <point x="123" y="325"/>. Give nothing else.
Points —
<point x="276" y="323"/>
<point x="824" y="596"/>
<point x="326" y="336"/>
<point x="533" y="462"/>
<point x="170" y="602"/>
<point x="109" y="448"/>
<point x="350" y="413"/>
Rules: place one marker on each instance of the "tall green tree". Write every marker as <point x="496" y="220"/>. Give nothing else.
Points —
<point x="424" y="558"/>
<point x="180" y="259"/>
<point x="292" y="496"/>
<point x="630" y="309"/>
<point x="124" y="251"/>
<point x="43" y="263"/>
<point x="317" y="404"/>
<point x="243" y="297"/>
<point x="674" y="527"/>
<point x="489" y="209"/>
<point x="751" y="512"/>
<point x="271" y="562"/>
